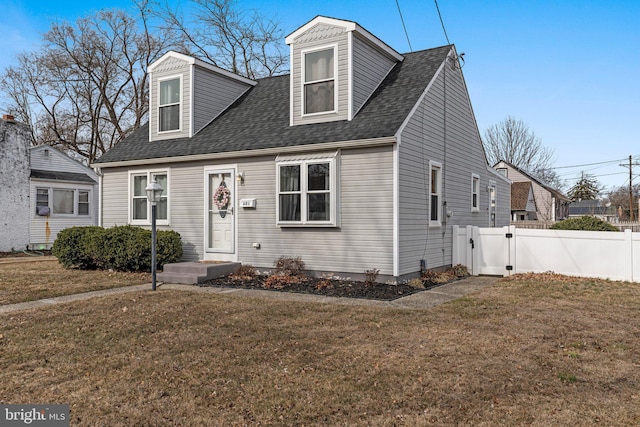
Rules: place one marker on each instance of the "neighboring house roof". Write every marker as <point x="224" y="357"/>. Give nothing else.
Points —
<point x="520" y="192"/>
<point x="260" y="118"/>
<point x="589" y="207"/>
<point x="558" y="195"/>
<point x="61" y="176"/>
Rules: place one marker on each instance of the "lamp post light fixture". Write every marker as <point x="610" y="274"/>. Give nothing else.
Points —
<point x="154" y="192"/>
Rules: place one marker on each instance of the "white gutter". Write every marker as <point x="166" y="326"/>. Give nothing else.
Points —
<point x="357" y="143"/>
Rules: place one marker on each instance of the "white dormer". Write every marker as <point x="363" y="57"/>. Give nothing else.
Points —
<point x="336" y="66"/>
<point x="186" y="94"/>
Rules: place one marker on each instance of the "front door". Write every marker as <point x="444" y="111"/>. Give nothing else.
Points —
<point x="220" y="214"/>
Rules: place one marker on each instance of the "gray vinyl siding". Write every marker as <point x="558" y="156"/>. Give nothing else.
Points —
<point x="453" y="141"/>
<point x="44" y="230"/>
<point x="215" y="93"/>
<point x="321" y="35"/>
<point x="169" y="68"/>
<point x="115" y="191"/>
<point x="363" y="241"/>
<point x="369" y="69"/>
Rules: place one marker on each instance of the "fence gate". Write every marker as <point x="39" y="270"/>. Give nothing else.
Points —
<point x="485" y="251"/>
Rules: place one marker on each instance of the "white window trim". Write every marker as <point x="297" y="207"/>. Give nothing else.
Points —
<point x="166" y="194"/>
<point x="475" y="178"/>
<point x="436" y="165"/>
<point x="181" y="104"/>
<point x="335" y="80"/>
<point x="333" y="192"/>
<point x="50" y="189"/>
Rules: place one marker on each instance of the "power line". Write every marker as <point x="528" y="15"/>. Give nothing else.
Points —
<point x="588" y="164"/>
<point x="442" y="22"/>
<point x="404" y="26"/>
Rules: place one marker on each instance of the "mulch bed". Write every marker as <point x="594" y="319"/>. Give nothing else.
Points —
<point x="325" y="287"/>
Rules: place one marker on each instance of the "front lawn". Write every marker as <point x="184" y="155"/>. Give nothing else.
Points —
<point x="540" y="350"/>
<point x="30" y="281"/>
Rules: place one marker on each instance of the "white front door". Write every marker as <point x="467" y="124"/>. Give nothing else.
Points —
<point x="220" y="215"/>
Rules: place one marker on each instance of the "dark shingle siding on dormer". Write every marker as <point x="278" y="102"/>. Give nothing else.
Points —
<point x="260" y="118"/>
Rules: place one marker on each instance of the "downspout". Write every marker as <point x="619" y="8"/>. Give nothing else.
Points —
<point x="98" y="172"/>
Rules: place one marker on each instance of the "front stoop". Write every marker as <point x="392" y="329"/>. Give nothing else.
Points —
<point x="192" y="273"/>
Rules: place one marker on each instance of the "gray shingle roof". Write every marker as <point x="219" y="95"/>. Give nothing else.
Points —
<point x="260" y="119"/>
<point x="62" y="176"/>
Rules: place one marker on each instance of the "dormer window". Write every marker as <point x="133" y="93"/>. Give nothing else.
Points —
<point x="319" y="81"/>
<point x="169" y="105"/>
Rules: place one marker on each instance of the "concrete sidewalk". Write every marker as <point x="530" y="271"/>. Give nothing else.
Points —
<point x="418" y="301"/>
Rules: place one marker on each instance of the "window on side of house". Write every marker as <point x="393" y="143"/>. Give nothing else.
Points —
<point x="319" y="81"/>
<point x="435" y="192"/>
<point x="475" y="185"/>
<point x="307" y="192"/>
<point x="62" y="201"/>
<point x="42" y="197"/>
<point x="140" y="208"/>
<point x="83" y="202"/>
<point x="169" y="104"/>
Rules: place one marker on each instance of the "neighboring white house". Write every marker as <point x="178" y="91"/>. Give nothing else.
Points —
<point x="361" y="158"/>
<point x="63" y="193"/>
<point x="42" y="191"/>
<point x="551" y="205"/>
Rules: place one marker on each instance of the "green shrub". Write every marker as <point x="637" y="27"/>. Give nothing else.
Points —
<point x="587" y="223"/>
<point x="75" y="247"/>
<point x="123" y="248"/>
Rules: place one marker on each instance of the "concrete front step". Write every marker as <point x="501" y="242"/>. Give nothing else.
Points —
<point x="191" y="273"/>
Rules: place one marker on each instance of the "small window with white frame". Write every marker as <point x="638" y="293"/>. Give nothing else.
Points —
<point x="475" y="194"/>
<point x="435" y="194"/>
<point x="140" y="208"/>
<point x="61" y="201"/>
<point x="169" y="104"/>
<point x="318" y="81"/>
<point x="307" y="192"/>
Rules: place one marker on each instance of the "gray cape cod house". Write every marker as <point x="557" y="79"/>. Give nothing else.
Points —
<point x="360" y="158"/>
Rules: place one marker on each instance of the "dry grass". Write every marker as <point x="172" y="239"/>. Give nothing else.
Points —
<point x="30" y="281"/>
<point x="555" y="351"/>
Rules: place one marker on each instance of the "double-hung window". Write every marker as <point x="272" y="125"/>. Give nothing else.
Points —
<point x="307" y="192"/>
<point x="475" y="184"/>
<point x="169" y="104"/>
<point x="140" y="208"/>
<point x="319" y="81"/>
<point x="435" y="194"/>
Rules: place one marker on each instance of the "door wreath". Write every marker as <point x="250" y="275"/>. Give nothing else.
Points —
<point x="221" y="198"/>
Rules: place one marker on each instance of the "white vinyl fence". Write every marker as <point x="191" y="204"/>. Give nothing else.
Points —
<point x="509" y="250"/>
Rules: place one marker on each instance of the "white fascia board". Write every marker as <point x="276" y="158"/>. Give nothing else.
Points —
<point x="349" y="26"/>
<point x="195" y="61"/>
<point x="358" y="143"/>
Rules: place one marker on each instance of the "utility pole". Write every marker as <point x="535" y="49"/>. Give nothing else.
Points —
<point x="630" y="166"/>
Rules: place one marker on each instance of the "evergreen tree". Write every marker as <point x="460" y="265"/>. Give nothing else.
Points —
<point x="586" y="188"/>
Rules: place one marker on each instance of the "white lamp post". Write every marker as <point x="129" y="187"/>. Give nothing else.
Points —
<point x="154" y="191"/>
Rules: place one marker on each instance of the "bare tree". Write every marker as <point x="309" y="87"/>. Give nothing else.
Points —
<point x="619" y="198"/>
<point x="513" y="141"/>
<point x="218" y="32"/>
<point x="86" y="89"/>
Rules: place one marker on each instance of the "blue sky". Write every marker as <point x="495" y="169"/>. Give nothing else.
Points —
<point x="569" y="69"/>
